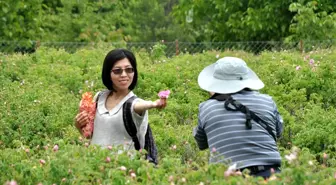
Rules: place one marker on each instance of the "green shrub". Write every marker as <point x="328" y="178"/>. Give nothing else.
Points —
<point x="40" y="93"/>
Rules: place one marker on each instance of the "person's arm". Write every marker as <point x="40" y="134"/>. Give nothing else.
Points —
<point x="278" y="124"/>
<point x="278" y="121"/>
<point x="200" y="136"/>
<point x="141" y="106"/>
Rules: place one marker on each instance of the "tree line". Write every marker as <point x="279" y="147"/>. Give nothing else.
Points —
<point x="169" y="20"/>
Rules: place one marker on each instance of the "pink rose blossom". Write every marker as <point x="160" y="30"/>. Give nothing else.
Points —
<point x="325" y="156"/>
<point x="42" y="161"/>
<point x="291" y="157"/>
<point x="109" y="147"/>
<point x="227" y="173"/>
<point x="55" y="149"/>
<point x="311" y="61"/>
<point x="123" y="168"/>
<point x="12" y="182"/>
<point x="164" y="94"/>
<point x="171" y="178"/>
<point x="238" y="173"/>
<point x="108" y="159"/>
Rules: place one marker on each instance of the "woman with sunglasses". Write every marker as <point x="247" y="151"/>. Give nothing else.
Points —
<point x="119" y="75"/>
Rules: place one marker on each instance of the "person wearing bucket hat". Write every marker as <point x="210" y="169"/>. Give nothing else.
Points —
<point x="238" y="124"/>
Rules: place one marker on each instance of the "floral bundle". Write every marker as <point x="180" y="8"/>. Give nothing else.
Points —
<point x="87" y="104"/>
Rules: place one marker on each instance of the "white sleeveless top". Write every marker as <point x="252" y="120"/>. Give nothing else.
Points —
<point x="109" y="129"/>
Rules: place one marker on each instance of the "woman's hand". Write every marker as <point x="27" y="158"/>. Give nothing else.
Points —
<point x="81" y="120"/>
<point x="160" y="103"/>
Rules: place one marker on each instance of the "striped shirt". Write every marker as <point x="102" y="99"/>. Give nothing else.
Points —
<point x="230" y="142"/>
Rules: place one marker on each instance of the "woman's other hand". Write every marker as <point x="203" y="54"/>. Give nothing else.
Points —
<point x="81" y="120"/>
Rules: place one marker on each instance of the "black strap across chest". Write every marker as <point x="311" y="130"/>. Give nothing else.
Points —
<point x="250" y="115"/>
<point x="150" y="146"/>
<point x="129" y="124"/>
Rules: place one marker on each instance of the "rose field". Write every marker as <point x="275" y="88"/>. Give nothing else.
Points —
<point x="40" y="94"/>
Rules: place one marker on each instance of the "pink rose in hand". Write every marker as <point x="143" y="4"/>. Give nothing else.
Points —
<point x="164" y="95"/>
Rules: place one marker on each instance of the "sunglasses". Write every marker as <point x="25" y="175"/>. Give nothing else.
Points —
<point x="119" y="71"/>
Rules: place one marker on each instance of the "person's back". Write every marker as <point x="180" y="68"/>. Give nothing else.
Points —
<point x="228" y="136"/>
<point x="225" y="131"/>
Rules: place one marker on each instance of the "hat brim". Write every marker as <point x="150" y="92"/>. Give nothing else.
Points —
<point x="207" y="82"/>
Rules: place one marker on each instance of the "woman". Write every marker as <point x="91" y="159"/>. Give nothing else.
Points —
<point x="119" y="75"/>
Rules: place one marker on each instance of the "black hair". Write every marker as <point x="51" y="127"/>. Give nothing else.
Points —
<point x="111" y="58"/>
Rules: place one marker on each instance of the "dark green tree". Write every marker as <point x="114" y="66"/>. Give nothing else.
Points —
<point x="20" y="23"/>
<point x="148" y="20"/>
<point x="234" y="20"/>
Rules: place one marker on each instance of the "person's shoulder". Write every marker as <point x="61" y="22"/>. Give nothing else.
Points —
<point x="206" y="103"/>
<point x="132" y="94"/>
<point x="132" y="97"/>
<point x="263" y="96"/>
<point x="100" y="93"/>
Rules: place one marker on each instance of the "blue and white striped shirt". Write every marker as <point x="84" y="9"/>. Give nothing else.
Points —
<point x="225" y="132"/>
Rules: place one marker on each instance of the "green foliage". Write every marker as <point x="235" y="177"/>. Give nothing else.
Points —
<point x="261" y="20"/>
<point x="20" y="20"/>
<point x="313" y="20"/>
<point x="40" y="94"/>
<point x="234" y="20"/>
<point x="86" y="21"/>
<point x="148" y="20"/>
<point x="158" y="51"/>
<point x="168" y="20"/>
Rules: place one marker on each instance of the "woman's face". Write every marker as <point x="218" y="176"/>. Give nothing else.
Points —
<point x="122" y="74"/>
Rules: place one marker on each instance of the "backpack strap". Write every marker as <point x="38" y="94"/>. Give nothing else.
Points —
<point x="131" y="129"/>
<point x="242" y="108"/>
<point x="150" y="146"/>
<point x="128" y="122"/>
<point x="97" y="98"/>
